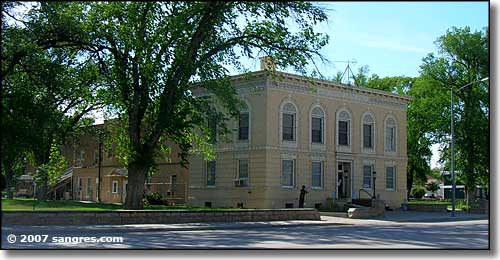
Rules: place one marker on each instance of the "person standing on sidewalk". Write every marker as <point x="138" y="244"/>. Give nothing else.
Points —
<point x="302" y="195"/>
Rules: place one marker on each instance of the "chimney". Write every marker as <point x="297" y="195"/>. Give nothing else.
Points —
<point x="266" y="63"/>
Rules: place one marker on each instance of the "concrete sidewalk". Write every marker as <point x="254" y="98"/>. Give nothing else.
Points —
<point x="414" y="216"/>
<point x="395" y="217"/>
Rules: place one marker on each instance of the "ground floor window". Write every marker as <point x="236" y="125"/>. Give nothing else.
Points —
<point x="367" y="176"/>
<point x="89" y="187"/>
<point x="242" y="173"/>
<point x="390" y="177"/>
<point x="211" y="173"/>
<point x="317" y="174"/>
<point x="287" y="173"/>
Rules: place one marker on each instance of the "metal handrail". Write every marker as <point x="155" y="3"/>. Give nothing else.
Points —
<point x="362" y="189"/>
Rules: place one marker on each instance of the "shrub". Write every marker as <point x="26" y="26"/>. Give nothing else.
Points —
<point x="418" y="192"/>
<point x="154" y="198"/>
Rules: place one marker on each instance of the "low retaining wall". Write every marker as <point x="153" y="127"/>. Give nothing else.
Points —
<point x="480" y="208"/>
<point x="428" y="207"/>
<point x="121" y="217"/>
<point x="375" y="211"/>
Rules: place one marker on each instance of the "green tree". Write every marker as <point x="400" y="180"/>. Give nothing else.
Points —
<point x="157" y="53"/>
<point x="462" y="59"/>
<point x="46" y="92"/>
<point x="432" y="187"/>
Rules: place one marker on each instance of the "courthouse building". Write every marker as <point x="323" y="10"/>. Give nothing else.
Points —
<point x="340" y="141"/>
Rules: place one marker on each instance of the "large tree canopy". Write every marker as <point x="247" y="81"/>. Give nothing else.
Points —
<point x="462" y="59"/>
<point x="153" y="53"/>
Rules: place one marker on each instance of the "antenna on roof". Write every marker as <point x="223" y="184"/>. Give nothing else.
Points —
<point x="347" y="70"/>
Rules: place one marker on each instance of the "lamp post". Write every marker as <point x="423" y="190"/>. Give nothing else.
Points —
<point x="374" y="178"/>
<point x="453" y="185"/>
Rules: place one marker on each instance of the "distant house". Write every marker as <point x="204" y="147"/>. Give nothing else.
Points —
<point x="445" y="188"/>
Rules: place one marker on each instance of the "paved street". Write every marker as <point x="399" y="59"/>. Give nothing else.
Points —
<point x="331" y="232"/>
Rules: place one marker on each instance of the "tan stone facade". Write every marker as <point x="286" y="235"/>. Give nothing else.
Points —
<point x="318" y="153"/>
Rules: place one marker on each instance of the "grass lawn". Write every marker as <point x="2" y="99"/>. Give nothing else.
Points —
<point x="27" y="204"/>
<point x="458" y="206"/>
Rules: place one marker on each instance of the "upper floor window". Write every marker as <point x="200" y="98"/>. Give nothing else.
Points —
<point x="289" y="122"/>
<point x="390" y="135"/>
<point x="317" y="122"/>
<point x="368" y="128"/>
<point x="114" y="188"/>
<point x="344" y="122"/>
<point x="243" y="124"/>
<point x="211" y="173"/>
<point x="212" y="127"/>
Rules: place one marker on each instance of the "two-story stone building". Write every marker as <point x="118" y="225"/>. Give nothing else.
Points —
<point x="340" y="141"/>
<point x="87" y="180"/>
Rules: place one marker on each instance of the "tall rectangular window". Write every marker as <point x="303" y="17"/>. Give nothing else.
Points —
<point x="367" y="136"/>
<point x="88" y="192"/>
<point x="390" y="136"/>
<point x="211" y="173"/>
<point x="173" y="182"/>
<point x="114" y="188"/>
<point x="212" y="126"/>
<point x="317" y="130"/>
<point x="289" y="127"/>
<point x="96" y="157"/>
<point x="80" y="187"/>
<point x="367" y="176"/>
<point x="390" y="177"/>
<point x="243" y="126"/>
<point x="243" y="173"/>
<point x="287" y="173"/>
<point x="344" y="133"/>
<point x="317" y="174"/>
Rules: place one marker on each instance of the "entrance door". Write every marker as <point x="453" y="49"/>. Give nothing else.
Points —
<point x="124" y="191"/>
<point x="344" y="180"/>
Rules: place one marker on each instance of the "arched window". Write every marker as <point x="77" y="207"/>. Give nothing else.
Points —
<point x="344" y="126"/>
<point x="317" y="125"/>
<point x="289" y="122"/>
<point x="244" y="124"/>
<point x="368" y="131"/>
<point x="390" y="134"/>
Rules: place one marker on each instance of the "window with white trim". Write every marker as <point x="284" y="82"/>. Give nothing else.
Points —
<point x="289" y="118"/>
<point x="88" y="192"/>
<point x="287" y="173"/>
<point x="368" y="127"/>
<point x="243" y="125"/>
<point x="242" y="173"/>
<point x="317" y="174"/>
<point x="114" y="187"/>
<point x="367" y="176"/>
<point x="390" y="177"/>
<point x="211" y="173"/>
<point x="344" y="123"/>
<point x="390" y="135"/>
<point x="317" y="122"/>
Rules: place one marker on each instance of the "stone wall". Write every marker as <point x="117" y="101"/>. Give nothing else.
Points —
<point x="121" y="217"/>
<point x="428" y="207"/>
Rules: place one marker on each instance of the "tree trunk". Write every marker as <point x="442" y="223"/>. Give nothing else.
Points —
<point x="409" y="184"/>
<point x="42" y="186"/>
<point x="135" y="187"/>
<point x="9" y="181"/>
